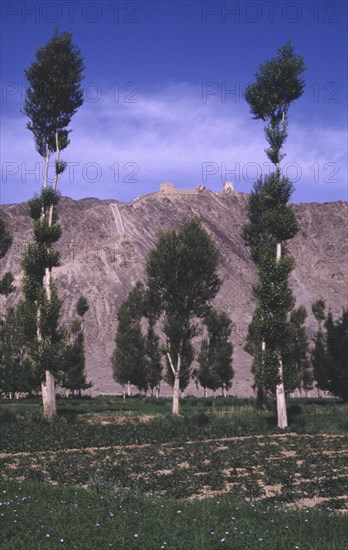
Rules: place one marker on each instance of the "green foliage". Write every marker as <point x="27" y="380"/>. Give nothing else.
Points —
<point x="37" y="257"/>
<point x="5" y="238"/>
<point x="73" y="366"/>
<point x="6" y="286"/>
<point x="271" y="219"/>
<point x="128" y="360"/>
<point x="40" y="204"/>
<point x="329" y="356"/>
<point x="301" y="348"/>
<point x="271" y="223"/>
<point x="215" y="358"/>
<point x="318" y="310"/>
<point x="53" y="93"/>
<point x="82" y="306"/>
<point x="6" y="281"/>
<point x="181" y="270"/>
<point x="17" y="372"/>
<point x="46" y="342"/>
<point x="40" y="315"/>
<point x="153" y="358"/>
<point x="182" y="278"/>
<point x="44" y="233"/>
<point x="278" y="83"/>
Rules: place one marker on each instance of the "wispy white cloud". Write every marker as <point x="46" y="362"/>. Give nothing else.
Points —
<point x="121" y="149"/>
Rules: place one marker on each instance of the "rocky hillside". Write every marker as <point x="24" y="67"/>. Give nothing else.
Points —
<point x="105" y="242"/>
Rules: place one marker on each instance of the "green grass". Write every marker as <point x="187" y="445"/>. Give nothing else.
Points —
<point x="172" y="458"/>
<point x="23" y="429"/>
<point x="37" y="517"/>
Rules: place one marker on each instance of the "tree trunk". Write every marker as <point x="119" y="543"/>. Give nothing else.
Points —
<point x="157" y="392"/>
<point x="47" y="160"/>
<point x="49" y="396"/>
<point x="176" y="387"/>
<point x="128" y="389"/>
<point x="281" y="403"/>
<point x="260" y="394"/>
<point x="280" y="392"/>
<point x="205" y="393"/>
<point x="124" y="392"/>
<point x="176" y="390"/>
<point x="260" y="398"/>
<point x="224" y="391"/>
<point x="48" y="387"/>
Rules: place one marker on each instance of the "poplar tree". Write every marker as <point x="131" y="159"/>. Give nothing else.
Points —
<point x="53" y="95"/>
<point x="74" y="361"/>
<point x="301" y="348"/>
<point x="215" y="357"/>
<point x="181" y="279"/>
<point x="128" y="360"/>
<point x="330" y="351"/>
<point x="271" y="224"/>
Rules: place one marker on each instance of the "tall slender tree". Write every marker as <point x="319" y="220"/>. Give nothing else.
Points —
<point x="74" y="363"/>
<point x="215" y="357"/>
<point x="128" y="360"/>
<point x="301" y="348"/>
<point x="182" y="279"/>
<point x="330" y="352"/>
<point x="53" y="96"/>
<point x="271" y="223"/>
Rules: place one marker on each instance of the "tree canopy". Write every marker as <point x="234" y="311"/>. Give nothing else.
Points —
<point x="181" y="279"/>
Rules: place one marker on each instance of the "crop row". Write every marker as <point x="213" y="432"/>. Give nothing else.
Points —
<point x="30" y="436"/>
<point x="288" y="468"/>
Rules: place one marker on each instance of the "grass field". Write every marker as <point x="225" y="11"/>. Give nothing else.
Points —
<point x="125" y="474"/>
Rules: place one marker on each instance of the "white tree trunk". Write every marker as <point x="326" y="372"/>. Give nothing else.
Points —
<point x="176" y="387"/>
<point x="157" y="390"/>
<point x="49" y="396"/>
<point x="224" y="391"/>
<point x="280" y="392"/>
<point x="176" y="391"/>
<point x="124" y="392"/>
<point x="128" y="389"/>
<point x="48" y="387"/>
<point x="205" y="393"/>
<point x="47" y="159"/>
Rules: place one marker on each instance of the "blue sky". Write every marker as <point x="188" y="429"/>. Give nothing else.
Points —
<point x="164" y="100"/>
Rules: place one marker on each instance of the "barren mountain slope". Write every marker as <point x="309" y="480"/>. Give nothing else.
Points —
<point x="104" y="245"/>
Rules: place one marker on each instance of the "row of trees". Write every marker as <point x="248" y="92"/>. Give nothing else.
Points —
<point x="330" y="352"/>
<point x="20" y="356"/>
<point x="181" y="281"/>
<point x="181" y="278"/>
<point x="276" y="336"/>
<point x="137" y="359"/>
